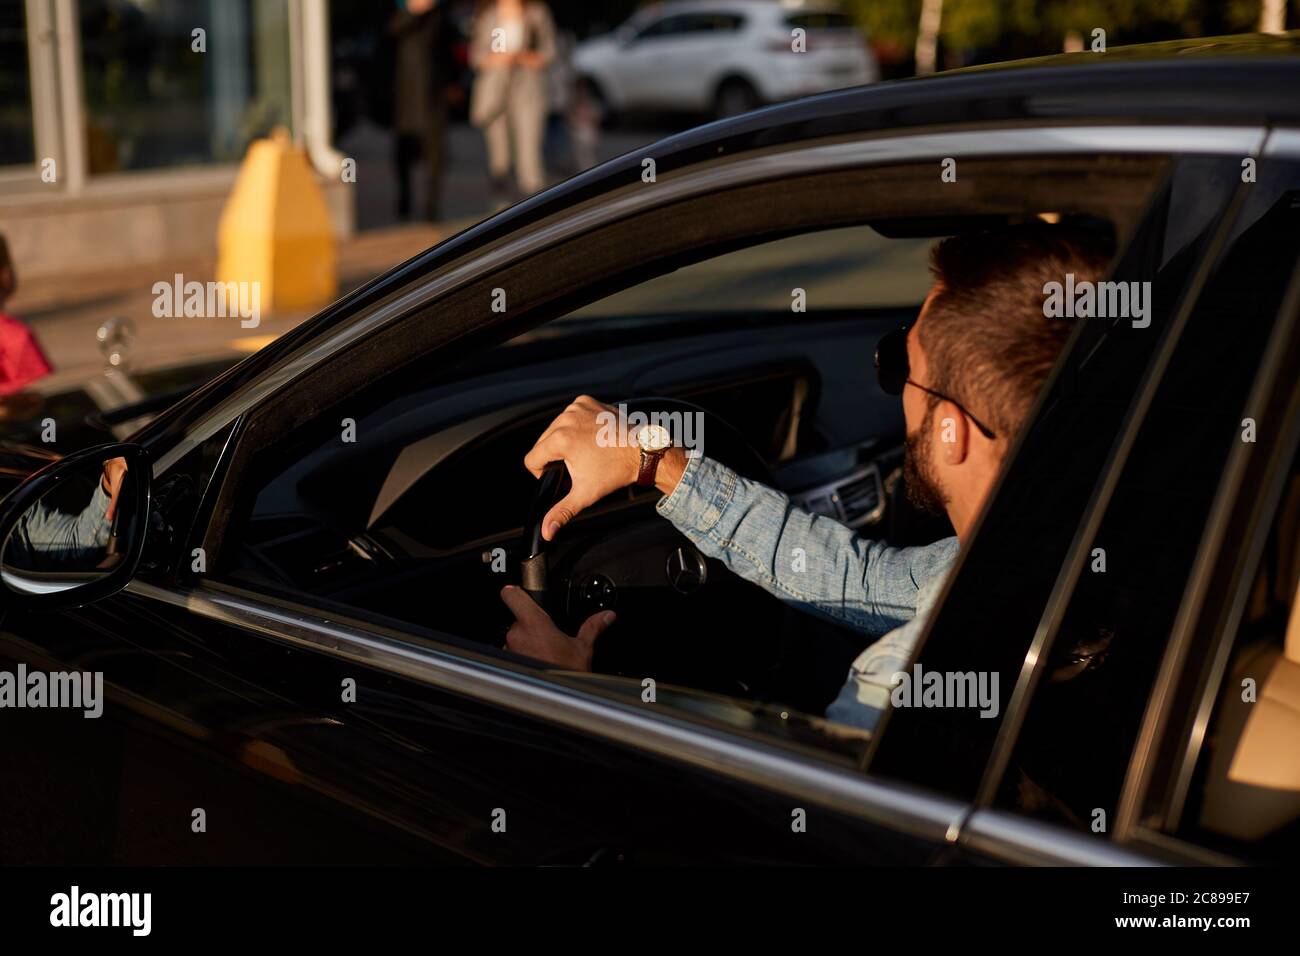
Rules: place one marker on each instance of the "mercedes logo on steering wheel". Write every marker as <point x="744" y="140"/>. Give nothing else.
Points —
<point x="686" y="570"/>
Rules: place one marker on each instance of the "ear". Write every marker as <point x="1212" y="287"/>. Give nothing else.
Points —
<point x="953" y="434"/>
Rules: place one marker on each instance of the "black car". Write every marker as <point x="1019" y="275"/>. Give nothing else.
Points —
<point x="298" y="621"/>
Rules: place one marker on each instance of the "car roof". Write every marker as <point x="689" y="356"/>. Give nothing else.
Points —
<point x="1221" y="81"/>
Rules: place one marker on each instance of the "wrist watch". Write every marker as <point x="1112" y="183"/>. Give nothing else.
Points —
<point x="654" y="441"/>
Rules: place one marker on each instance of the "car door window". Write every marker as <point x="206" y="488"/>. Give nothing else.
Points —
<point x="388" y="543"/>
<point x="386" y="487"/>
<point x="667" y="27"/>
<point x="717" y="22"/>
<point x="692" y="25"/>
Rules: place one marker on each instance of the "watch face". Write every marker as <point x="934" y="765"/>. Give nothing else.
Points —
<point x="653" y="438"/>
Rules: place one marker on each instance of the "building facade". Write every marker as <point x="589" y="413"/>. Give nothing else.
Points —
<point x="123" y="122"/>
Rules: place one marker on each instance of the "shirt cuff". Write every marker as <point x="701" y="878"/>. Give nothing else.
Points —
<point x="701" y="496"/>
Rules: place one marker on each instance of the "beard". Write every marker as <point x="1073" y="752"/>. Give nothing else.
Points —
<point x="920" y="483"/>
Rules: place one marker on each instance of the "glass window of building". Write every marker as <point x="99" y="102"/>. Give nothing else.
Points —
<point x="17" y="144"/>
<point x="158" y="93"/>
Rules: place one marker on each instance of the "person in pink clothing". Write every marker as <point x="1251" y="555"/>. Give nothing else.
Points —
<point x="21" y="359"/>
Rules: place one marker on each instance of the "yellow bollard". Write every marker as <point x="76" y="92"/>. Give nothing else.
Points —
<point x="275" y="229"/>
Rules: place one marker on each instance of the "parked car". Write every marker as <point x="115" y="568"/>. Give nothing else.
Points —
<point x="298" y="622"/>
<point x="723" y="56"/>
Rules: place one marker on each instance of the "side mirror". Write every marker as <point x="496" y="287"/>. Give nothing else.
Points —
<point x="74" y="531"/>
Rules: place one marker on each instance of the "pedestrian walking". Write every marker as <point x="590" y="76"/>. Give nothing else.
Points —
<point x="422" y="60"/>
<point x="511" y="45"/>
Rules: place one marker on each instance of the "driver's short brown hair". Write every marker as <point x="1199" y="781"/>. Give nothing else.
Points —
<point x="987" y="341"/>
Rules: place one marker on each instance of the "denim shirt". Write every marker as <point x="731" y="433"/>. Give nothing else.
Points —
<point x="47" y="539"/>
<point x="820" y="566"/>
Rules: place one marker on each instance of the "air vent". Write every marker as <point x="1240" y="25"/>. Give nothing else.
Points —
<point x="855" y="500"/>
<point x="860" y="498"/>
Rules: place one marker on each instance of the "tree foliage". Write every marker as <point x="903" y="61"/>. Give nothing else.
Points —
<point x="1040" y="26"/>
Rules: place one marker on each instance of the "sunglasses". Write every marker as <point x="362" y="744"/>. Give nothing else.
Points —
<point x="893" y="371"/>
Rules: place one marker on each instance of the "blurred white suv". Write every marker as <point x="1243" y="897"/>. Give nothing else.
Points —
<point x="724" y="56"/>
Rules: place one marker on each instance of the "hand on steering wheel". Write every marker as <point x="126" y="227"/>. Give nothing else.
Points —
<point x="598" y="463"/>
<point x="581" y="444"/>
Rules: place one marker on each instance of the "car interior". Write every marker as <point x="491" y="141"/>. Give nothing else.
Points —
<point x="791" y="403"/>
<point x="403" y="496"/>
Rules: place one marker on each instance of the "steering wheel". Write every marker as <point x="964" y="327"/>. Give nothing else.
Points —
<point x="722" y="441"/>
<point x="649" y="572"/>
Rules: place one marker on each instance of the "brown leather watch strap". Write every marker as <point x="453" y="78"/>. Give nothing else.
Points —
<point x="649" y="465"/>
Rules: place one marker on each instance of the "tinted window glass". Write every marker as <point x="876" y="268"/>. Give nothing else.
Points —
<point x="668" y="26"/>
<point x="717" y="22"/>
<point x="693" y="23"/>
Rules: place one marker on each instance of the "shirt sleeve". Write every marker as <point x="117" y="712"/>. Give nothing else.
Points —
<point x="808" y="560"/>
<point x="48" y="536"/>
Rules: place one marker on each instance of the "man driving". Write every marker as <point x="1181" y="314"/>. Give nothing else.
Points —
<point x="968" y="371"/>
